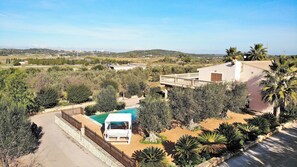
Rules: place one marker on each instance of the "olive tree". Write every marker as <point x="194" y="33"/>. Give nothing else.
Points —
<point x="183" y="106"/>
<point x="154" y="115"/>
<point x="106" y="99"/>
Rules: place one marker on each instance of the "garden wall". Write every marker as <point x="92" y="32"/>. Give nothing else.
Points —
<point x="87" y="143"/>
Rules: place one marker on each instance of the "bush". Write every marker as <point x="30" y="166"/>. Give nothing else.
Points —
<point x="47" y="97"/>
<point x="261" y="123"/>
<point x="98" y="67"/>
<point x="155" y="91"/>
<point x="78" y="93"/>
<point x="121" y="105"/>
<point x="160" y="140"/>
<point x="150" y="156"/>
<point x="238" y="97"/>
<point x="250" y="132"/>
<point x="107" y="100"/>
<point x="233" y="136"/>
<point x="212" y="100"/>
<point x="139" y="94"/>
<point x="271" y="119"/>
<point x="186" y="151"/>
<point x="90" y="110"/>
<point x="133" y="88"/>
<point x="127" y="95"/>
<point x="107" y="82"/>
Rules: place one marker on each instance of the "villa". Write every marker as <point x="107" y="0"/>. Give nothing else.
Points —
<point x="250" y="72"/>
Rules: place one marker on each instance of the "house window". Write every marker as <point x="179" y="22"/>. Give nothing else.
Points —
<point x="216" y="77"/>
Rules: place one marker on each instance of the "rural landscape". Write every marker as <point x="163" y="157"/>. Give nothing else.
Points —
<point x="69" y="105"/>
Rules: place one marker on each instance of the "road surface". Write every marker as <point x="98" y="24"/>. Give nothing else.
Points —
<point x="280" y="151"/>
<point x="57" y="149"/>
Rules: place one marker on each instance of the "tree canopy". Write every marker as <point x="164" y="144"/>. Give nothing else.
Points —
<point x="106" y="99"/>
<point x="257" y="52"/>
<point x="16" y="135"/>
<point x="154" y="115"/>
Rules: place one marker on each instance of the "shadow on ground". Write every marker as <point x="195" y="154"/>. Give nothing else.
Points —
<point x="279" y="151"/>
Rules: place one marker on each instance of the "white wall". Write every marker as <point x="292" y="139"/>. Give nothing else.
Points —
<point x="229" y="72"/>
<point x="244" y="73"/>
<point x="253" y="76"/>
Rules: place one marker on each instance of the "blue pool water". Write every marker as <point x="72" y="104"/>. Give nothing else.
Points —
<point x="101" y="117"/>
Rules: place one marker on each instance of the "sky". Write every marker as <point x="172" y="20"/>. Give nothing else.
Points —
<point x="195" y="26"/>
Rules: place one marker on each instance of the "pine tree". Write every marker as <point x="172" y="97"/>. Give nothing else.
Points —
<point x="17" y="137"/>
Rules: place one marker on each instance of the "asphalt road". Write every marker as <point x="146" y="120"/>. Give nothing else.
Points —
<point x="57" y="149"/>
<point x="280" y="151"/>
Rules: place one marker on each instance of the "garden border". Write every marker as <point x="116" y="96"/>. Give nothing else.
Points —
<point x="215" y="161"/>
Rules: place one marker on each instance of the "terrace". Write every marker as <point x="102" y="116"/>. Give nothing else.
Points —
<point x="182" y="80"/>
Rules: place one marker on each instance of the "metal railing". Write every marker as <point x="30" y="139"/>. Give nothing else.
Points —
<point x="182" y="80"/>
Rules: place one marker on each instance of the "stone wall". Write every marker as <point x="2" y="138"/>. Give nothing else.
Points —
<point x="86" y="142"/>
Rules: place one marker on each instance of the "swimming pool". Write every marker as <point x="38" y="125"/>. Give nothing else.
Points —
<point x="101" y="117"/>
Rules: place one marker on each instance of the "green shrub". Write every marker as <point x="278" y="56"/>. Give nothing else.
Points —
<point x="271" y="119"/>
<point x="47" y="97"/>
<point x="233" y="136"/>
<point x="90" y="110"/>
<point x="155" y="91"/>
<point x="249" y="131"/>
<point x="78" y="93"/>
<point x="57" y="68"/>
<point x="238" y="97"/>
<point x="150" y="156"/>
<point x="212" y="143"/>
<point x="160" y="140"/>
<point x="261" y="123"/>
<point x="107" y="100"/>
<point x="127" y="95"/>
<point x="133" y="88"/>
<point x="98" y="67"/>
<point x="121" y="105"/>
<point x="139" y="94"/>
<point x="107" y="82"/>
<point x="186" y="151"/>
<point x="289" y="114"/>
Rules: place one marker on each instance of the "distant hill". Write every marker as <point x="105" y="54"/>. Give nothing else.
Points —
<point x="161" y="52"/>
<point x="135" y="53"/>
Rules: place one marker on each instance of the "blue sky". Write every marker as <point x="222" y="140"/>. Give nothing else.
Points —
<point x="197" y="26"/>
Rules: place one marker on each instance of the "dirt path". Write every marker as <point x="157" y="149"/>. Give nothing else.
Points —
<point x="58" y="149"/>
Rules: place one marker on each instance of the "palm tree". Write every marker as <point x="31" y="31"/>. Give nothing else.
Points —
<point x="232" y="54"/>
<point x="151" y="156"/>
<point x="212" y="142"/>
<point x="280" y="85"/>
<point x="186" y="151"/>
<point x="249" y="131"/>
<point x="232" y="134"/>
<point x="258" y="52"/>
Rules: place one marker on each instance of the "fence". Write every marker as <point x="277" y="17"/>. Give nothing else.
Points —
<point x="74" y="111"/>
<point x="71" y="120"/>
<point x="112" y="150"/>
